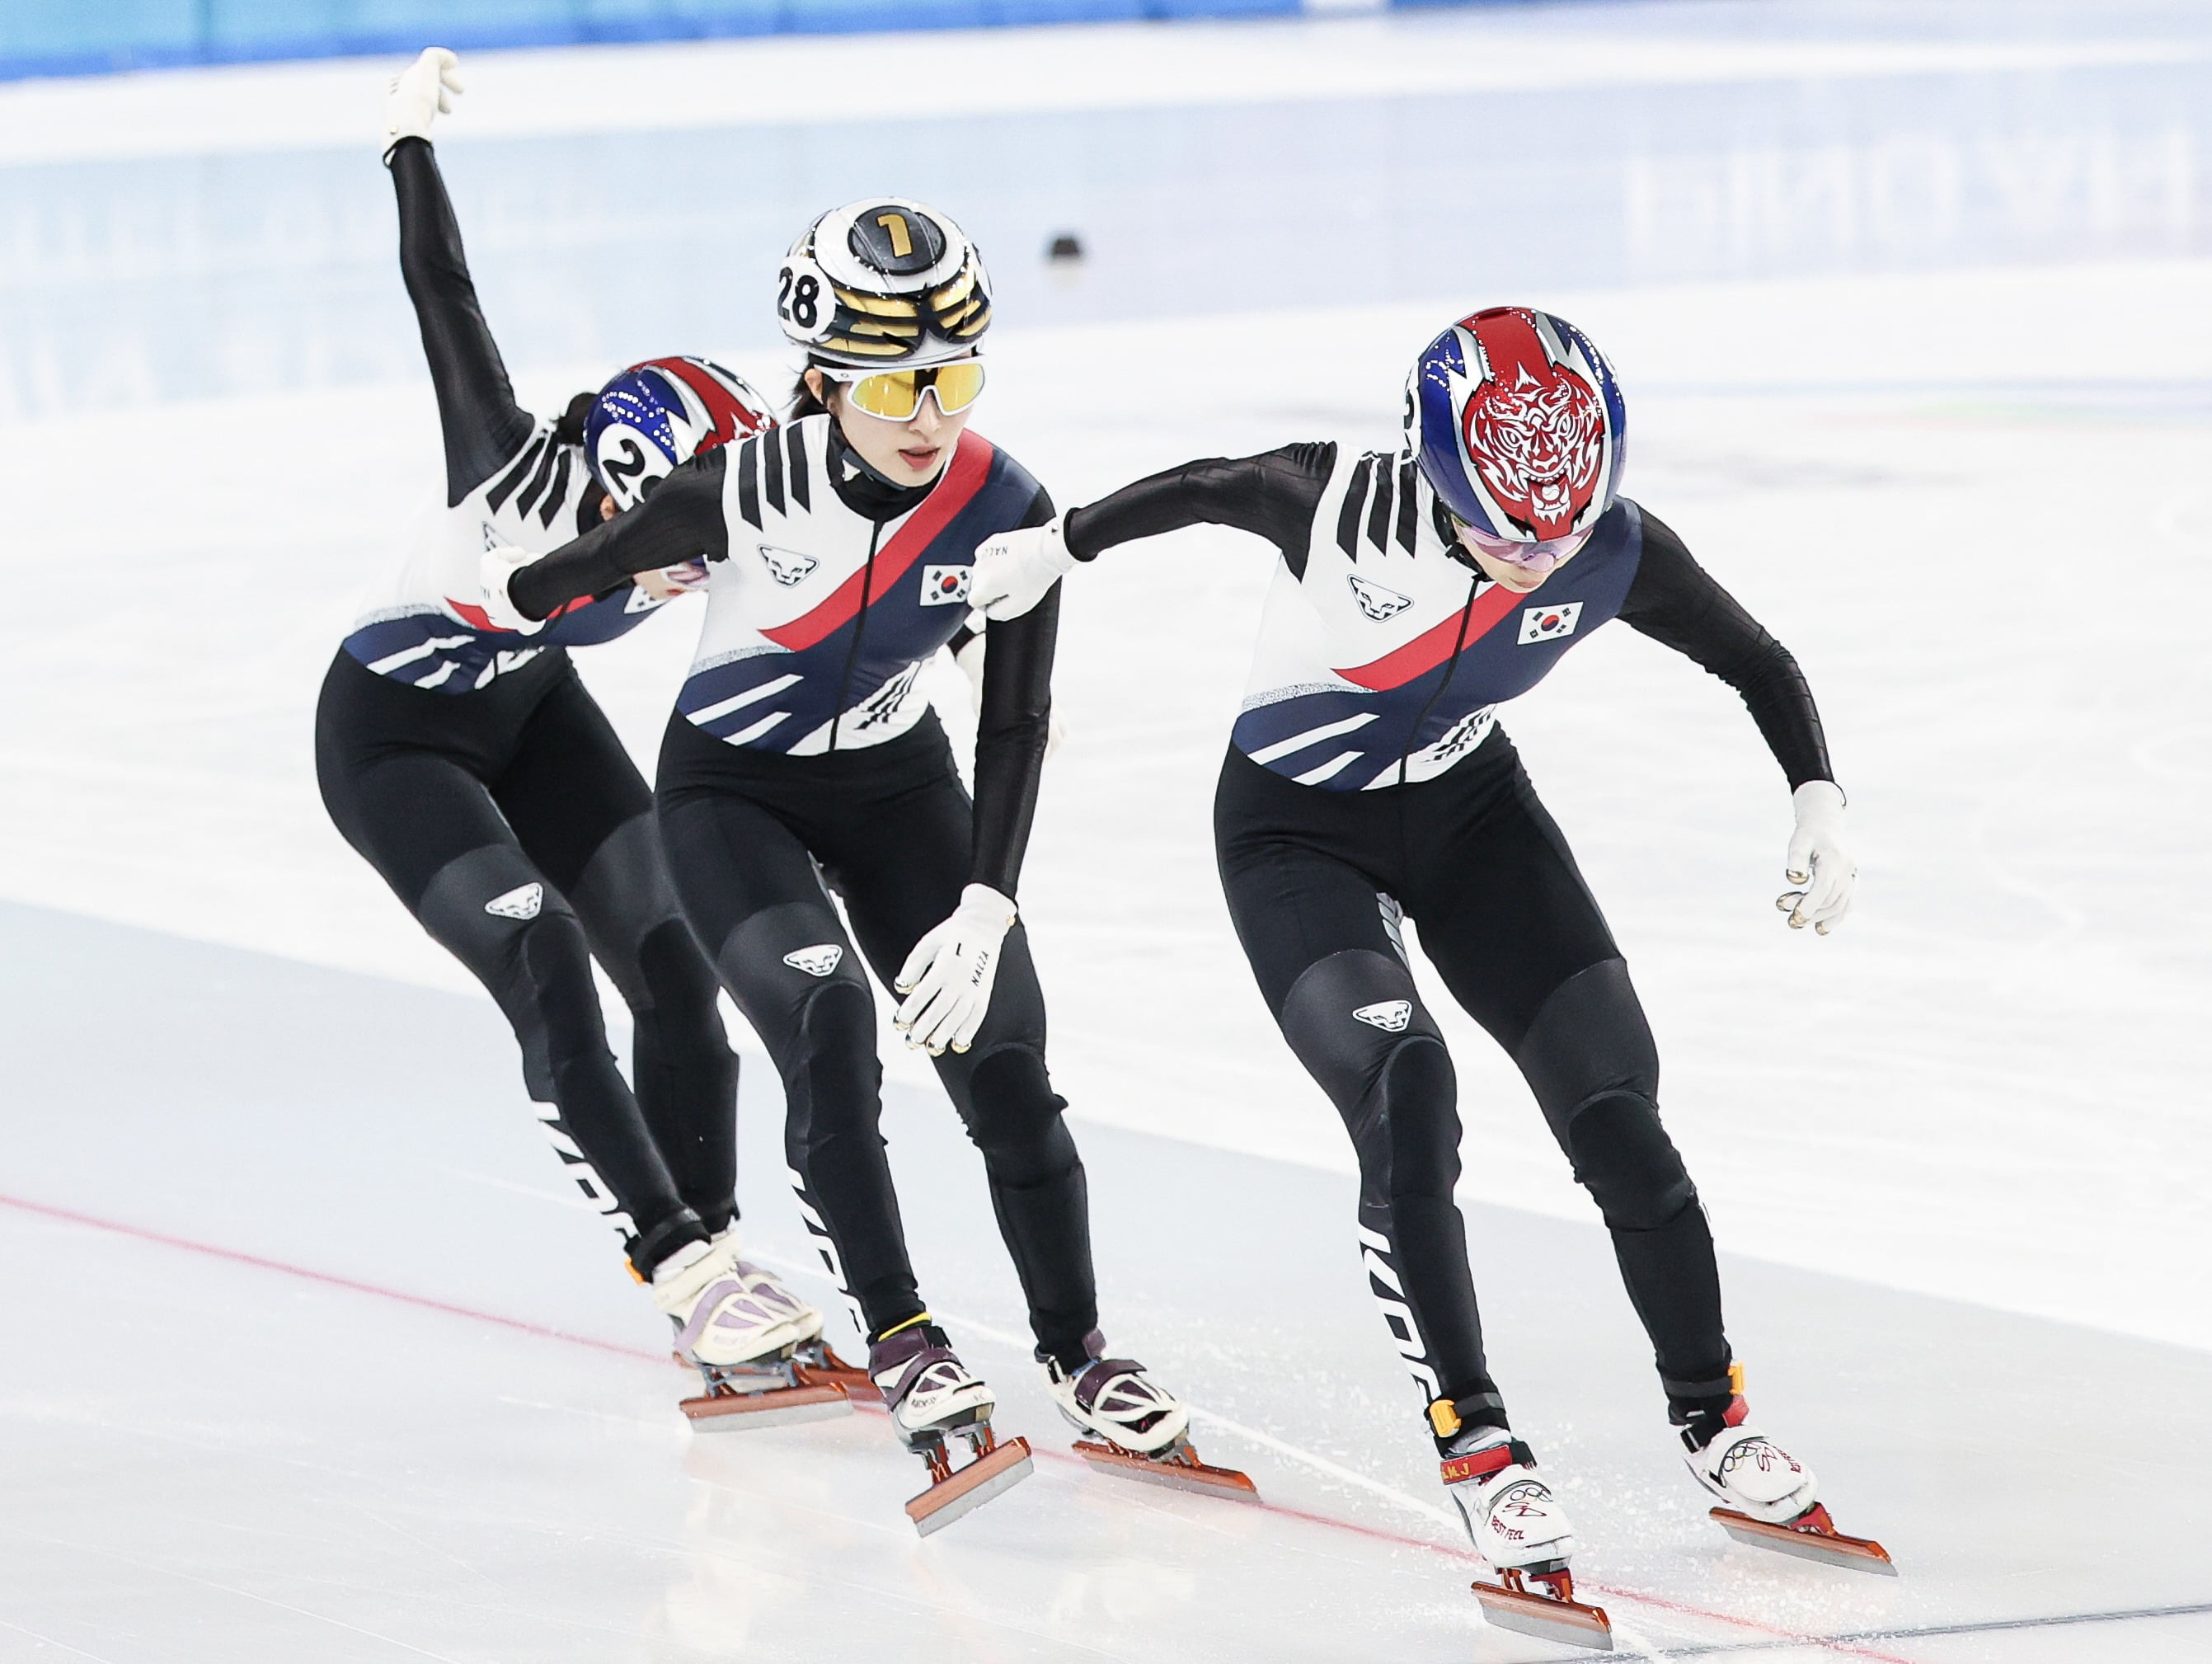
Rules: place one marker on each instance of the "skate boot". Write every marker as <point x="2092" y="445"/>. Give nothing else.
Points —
<point x="1518" y="1526"/>
<point x="931" y="1397"/>
<point x="1135" y="1427"/>
<point x="1770" y="1497"/>
<point x="745" y="1332"/>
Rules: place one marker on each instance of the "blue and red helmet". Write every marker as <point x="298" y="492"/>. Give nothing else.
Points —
<point x="1516" y="421"/>
<point x="662" y="412"/>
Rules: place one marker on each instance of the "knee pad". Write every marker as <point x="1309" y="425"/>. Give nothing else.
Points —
<point x="1014" y="1117"/>
<point x="831" y="1078"/>
<point x="625" y="890"/>
<point x="1589" y="1037"/>
<point x="1623" y="1157"/>
<point x="1358" y="1024"/>
<point x="1420" y="1103"/>
<point x="680" y="990"/>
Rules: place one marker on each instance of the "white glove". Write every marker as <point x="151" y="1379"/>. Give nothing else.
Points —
<point x="1015" y="570"/>
<point x="970" y="660"/>
<point x="421" y="92"/>
<point x="947" y="978"/>
<point x="1819" y="864"/>
<point x="496" y="570"/>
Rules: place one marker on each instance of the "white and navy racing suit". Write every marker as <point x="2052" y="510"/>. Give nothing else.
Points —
<point x="1367" y="780"/>
<point x="801" y="753"/>
<point x="470" y="766"/>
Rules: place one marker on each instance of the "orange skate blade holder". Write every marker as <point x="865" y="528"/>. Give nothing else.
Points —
<point x="953" y="1492"/>
<point x="1177" y="1467"/>
<point x="1553" y="1615"/>
<point x="833" y="1371"/>
<point x="1811" y="1536"/>
<point x="784" y="1396"/>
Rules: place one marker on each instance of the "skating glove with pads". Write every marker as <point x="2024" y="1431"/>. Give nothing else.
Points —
<point x="947" y="978"/>
<point x="421" y="92"/>
<point x="496" y="570"/>
<point x="1015" y="570"/>
<point x="1820" y="865"/>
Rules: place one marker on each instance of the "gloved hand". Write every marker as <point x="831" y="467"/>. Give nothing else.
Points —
<point x="970" y="660"/>
<point x="1015" y="569"/>
<point x="947" y="978"/>
<point x="496" y="570"/>
<point x="670" y="581"/>
<point x="421" y="92"/>
<point x="1819" y="863"/>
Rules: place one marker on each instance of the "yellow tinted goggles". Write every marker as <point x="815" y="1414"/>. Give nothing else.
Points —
<point x="896" y="395"/>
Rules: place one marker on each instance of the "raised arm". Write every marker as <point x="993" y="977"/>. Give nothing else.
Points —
<point x="681" y="520"/>
<point x="484" y="426"/>
<point x="1676" y="602"/>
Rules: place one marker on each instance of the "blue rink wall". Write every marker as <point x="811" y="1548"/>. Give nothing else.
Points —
<point x="40" y="38"/>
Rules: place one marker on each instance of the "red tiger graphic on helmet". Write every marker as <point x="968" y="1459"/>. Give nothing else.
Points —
<point x="1533" y="427"/>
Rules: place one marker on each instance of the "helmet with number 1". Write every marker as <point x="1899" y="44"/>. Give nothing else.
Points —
<point x="1517" y="421"/>
<point x="884" y="281"/>
<point x="662" y="412"/>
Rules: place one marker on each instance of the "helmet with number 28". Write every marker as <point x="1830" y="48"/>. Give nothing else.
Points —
<point x="662" y="412"/>
<point x="1517" y="421"/>
<point x="884" y="282"/>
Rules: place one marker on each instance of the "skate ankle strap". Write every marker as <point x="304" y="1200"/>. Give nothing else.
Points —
<point x="1101" y="1373"/>
<point x="1481" y="1464"/>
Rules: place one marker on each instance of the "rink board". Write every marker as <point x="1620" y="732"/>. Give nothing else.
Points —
<point x="388" y="1390"/>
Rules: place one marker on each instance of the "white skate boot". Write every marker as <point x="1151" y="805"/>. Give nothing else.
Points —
<point x="1518" y="1526"/>
<point x="1135" y="1426"/>
<point x="931" y="1394"/>
<point x="757" y="1346"/>
<point x="1770" y="1499"/>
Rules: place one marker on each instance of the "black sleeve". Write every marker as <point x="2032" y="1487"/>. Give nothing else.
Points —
<point x="1675" y="602"/>
<point x="484" y="426"/>
<point x="1271" y="495"/>
<point x="1012" y="729"/>
<point x="680" y="520"/>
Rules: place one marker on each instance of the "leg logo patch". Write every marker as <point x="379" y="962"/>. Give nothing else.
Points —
<point x="1391" y="1015"/>
<point x="520" y="902"/>
<point x="817" y="961"/>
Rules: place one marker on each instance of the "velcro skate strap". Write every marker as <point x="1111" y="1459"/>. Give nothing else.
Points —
<point x="918" y="1366"/>
<point x="1101" y="1374"/>
<point x="1481" y="1464"/>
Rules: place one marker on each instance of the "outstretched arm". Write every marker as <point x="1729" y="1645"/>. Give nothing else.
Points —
<point x="1675" y="601"/>
<point x="484" y="426"/>
<point x="1271" y="495"/>
<point x="681" y="520"/>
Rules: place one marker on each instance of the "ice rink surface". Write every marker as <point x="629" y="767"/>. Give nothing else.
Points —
<point x="1911" y="306"/>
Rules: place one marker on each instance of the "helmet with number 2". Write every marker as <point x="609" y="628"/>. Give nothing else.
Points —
<point x="662" y="412"/>
<point x="884" y="281"/>
<point x="1518" y="424"/>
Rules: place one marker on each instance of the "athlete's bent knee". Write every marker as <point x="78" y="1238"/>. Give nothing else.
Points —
<point x="1014" y="1117"/>
<point x="1624" y="1158"/>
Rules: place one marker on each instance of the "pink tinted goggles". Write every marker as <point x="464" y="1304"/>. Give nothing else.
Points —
<point x="1535" y="558"/>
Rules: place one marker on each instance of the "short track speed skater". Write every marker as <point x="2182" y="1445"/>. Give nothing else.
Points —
<point x="1135" y="1427"/>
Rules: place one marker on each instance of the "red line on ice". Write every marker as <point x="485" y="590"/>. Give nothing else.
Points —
<point x="544" y="1331"/>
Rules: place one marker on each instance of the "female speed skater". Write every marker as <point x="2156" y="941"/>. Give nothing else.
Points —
<point x="474" y="772"/>
<point x="1368" y="777"/>
<point x="801" y="760"/>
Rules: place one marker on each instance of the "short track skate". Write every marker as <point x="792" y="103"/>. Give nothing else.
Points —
<point x="1811" y="1536"/>
<point x="992" y="1468"/>
<point x="1177" y="1467"/>
<point x="803" y="1382"/>
<point x="1549" y="1612"/>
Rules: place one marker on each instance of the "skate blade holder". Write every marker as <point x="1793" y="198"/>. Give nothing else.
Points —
<point x="1553" y="1615"/>
<point x="817" y="1366"/>
<point x="994" y="1468"/>
<point x="742" y="1397"/>
<point x="1177" y="1467"/>
<point x="1811" y="1536"/>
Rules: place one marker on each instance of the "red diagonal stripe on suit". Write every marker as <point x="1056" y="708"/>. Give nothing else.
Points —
<point x="1434" y="645"/>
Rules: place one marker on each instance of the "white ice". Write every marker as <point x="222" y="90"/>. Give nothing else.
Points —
<point x="1911" y="307"/>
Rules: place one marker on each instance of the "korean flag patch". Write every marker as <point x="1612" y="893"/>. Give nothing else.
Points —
<point x="944" y="585"/>
<point x="1550" y="623"/>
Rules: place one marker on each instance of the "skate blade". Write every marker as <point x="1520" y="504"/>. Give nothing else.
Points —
<point x="1569" y="1623"/>
<point x="1824" y="1544"/>
<point x="833" y="1371"/>
<point x="775" y="1406"/>
<point x="1179" y="1470"/>
<point x="998" y="1469"/>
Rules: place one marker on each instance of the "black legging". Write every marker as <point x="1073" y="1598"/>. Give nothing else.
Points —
<point x="1315" y="880"/>
<point x="464" y="803"/>
<point x="889" y="827"/>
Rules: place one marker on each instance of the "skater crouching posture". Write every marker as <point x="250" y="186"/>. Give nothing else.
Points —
<point x="837" y="549"/>
<point x="473" y="771"/>
<point x="1367" y="774"/>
